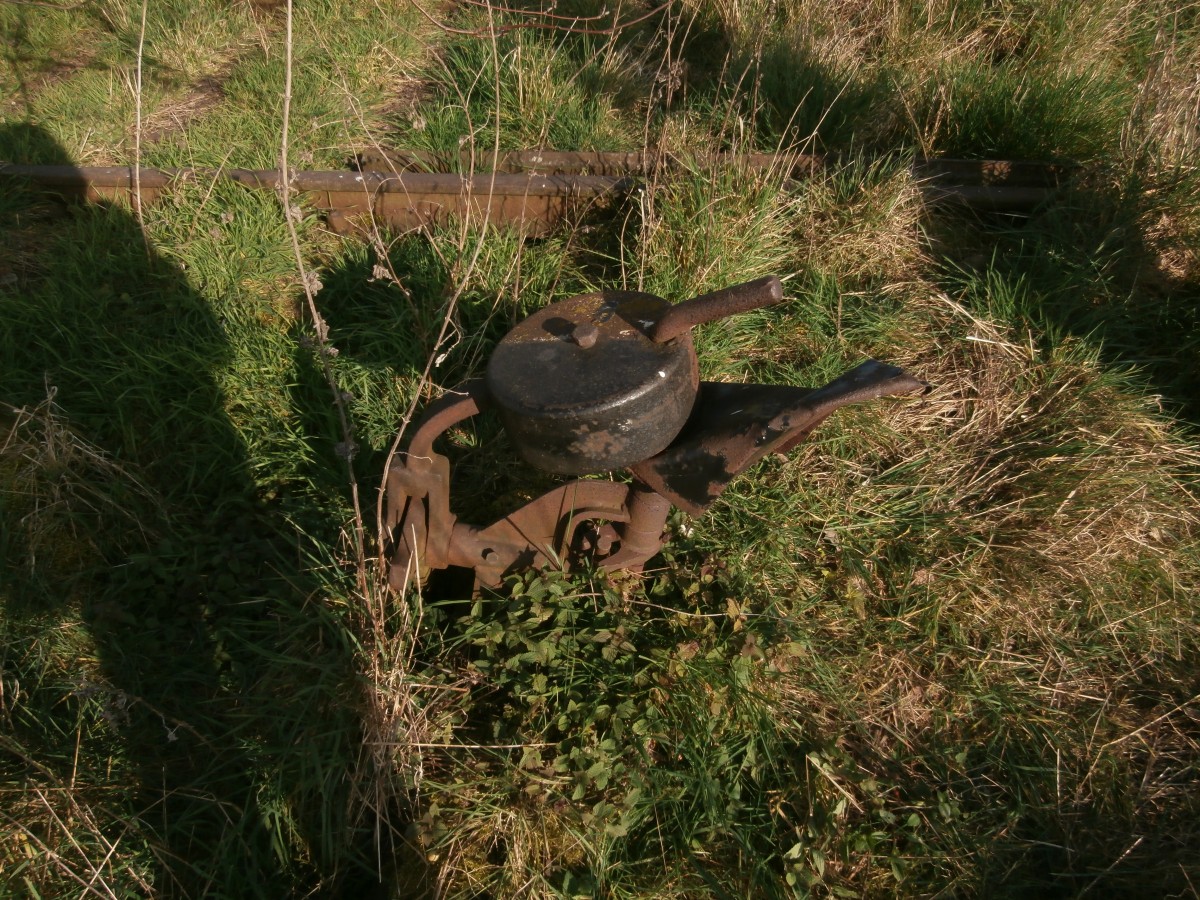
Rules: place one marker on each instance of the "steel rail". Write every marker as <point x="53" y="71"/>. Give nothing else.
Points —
<point x="531" y="189"/>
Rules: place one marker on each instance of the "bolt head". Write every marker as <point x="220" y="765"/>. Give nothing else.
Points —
<point x="585" y="334"/>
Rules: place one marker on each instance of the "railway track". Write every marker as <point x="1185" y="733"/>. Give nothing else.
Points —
<point x="534" y="190"/>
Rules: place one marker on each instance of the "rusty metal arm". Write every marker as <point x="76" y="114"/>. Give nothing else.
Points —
<point x="730" y="301"/>
<point x="417" y="513"/>
<point x="736" y="425"/>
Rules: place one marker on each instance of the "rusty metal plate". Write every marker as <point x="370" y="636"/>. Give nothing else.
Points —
<point x="541" y="533"/>
<point x="736" y="425"/>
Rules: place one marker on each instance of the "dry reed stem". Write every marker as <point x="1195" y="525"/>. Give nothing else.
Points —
<point x="310" y="285"/>
<point x="137" y="136"/>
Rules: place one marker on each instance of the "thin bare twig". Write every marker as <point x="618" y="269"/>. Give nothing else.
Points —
<point x="436" y="354"/>
<point x="1116" y="862"/>
<point x="311" y="285"/>
<point x="51" y="856"/>
<point x="137" y="133"/>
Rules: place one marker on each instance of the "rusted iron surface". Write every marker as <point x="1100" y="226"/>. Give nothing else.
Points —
<point x="418" y="488"/>
<point x="535" y="204"/>
<point x="600" y="381"/>
<point x="683" y="317"/>
<point x="550" y="530"/>
<point x="356" y="200"/>
<point x="736" y="425"/>
<point x="426" y="535"/>
<point x="612" y="525"/>
<point x="531" y="189"/>
<point x="575" y="404"/>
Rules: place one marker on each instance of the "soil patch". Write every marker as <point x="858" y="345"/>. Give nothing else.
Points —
<point x="175" y="115"/>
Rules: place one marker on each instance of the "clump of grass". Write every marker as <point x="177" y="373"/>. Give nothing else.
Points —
<point x="1009" y="112"/>
<point x="861" y="223"/>
<point x="559" y="95"/>
<point x="56" y="834"/>
<point x="1165" y="115"/>
<point x="210" y="76"/>
<point x="58" y="492"/>
<point x="622" y="764"/>
<point x="180" y="487"/>
<point x="703" y="230"/>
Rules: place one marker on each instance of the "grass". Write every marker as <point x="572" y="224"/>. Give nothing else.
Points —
<point x="946" y="647"/>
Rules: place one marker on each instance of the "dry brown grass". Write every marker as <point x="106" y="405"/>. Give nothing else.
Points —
<point x="173" y="114"/>
<point x="871" y="232"/>
<point x="53" y="833"/>
<point x="1040" y="458"/>
<point x="58" y="488"/>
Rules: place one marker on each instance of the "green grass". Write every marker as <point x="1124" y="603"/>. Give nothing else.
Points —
<point x="212" y="79"/>
<point x="948" y="646"/>
<point x="566" y="97"/>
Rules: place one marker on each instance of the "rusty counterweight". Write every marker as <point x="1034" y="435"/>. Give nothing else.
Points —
<point x="592" y="384"/>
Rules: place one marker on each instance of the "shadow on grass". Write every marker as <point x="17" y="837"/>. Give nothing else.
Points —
<point x="211" y="691"/>
<point x="1112" y="263"/>
<point x="387" y="334"/>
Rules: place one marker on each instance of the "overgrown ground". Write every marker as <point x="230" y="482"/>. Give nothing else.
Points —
<point x="948" y="647"/>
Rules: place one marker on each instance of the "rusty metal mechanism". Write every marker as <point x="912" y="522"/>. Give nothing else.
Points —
<point x="597" y="383"/>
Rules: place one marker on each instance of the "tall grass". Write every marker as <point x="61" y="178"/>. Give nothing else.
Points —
<point x="947" y="646"/>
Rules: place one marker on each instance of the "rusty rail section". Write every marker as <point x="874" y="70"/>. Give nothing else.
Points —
<point x="531" y="189"/>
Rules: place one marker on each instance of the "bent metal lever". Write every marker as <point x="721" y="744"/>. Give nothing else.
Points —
<point x="728" y="301"/>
